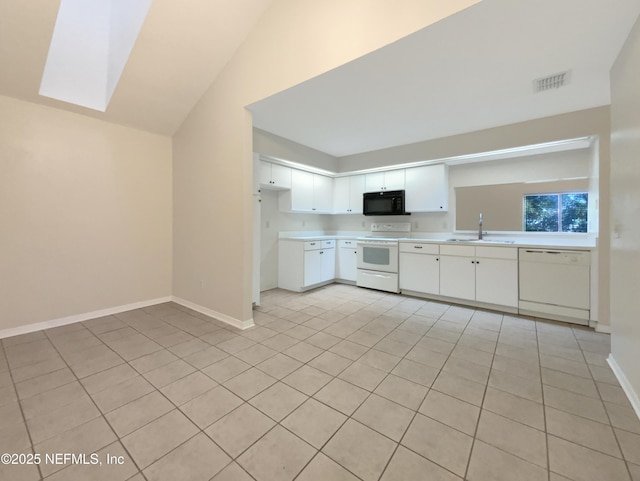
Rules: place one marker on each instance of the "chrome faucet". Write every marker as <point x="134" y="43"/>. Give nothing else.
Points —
<point x="480" y="227"/>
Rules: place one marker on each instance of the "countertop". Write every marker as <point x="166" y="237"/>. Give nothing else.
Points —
<point x="517" y="240"/>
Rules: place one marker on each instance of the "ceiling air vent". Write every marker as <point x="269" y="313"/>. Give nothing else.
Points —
<point x="551" y="82"/>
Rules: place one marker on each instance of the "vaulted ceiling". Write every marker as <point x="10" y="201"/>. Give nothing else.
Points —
<point x="470" y="71"/>
<point x="182" y="47"/>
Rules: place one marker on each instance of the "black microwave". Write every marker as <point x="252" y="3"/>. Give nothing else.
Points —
<point x="386" y="202"/>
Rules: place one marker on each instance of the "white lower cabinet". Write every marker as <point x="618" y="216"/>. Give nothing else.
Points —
<point x="458" y="272"/>
<point x="305" y="264"/>
<point x="319" y="266"/>
<point x="484" y="274"/>
<point x="497" y="281"/>
<point x="419" y="267"/>
<point x="347" y="260"/>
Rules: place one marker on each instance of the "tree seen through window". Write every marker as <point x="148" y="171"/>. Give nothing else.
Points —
<point x="564" y="212"/>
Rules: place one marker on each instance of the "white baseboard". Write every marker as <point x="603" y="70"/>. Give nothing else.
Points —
<point x="63" y="321"/>
<point x="625" y="384"/>
<point x="603" y="329"/>
<point x="232" y="321"/>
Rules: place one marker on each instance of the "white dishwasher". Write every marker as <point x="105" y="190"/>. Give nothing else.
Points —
<point x="555" y="283"/>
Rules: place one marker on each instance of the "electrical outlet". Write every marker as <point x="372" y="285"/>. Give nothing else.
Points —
<point x="303" y="222"/>
<point x="201" y="283"/>
<point x="267" y="224"/>
<point x="416" y="225"/>
<point x="362" y="223"/>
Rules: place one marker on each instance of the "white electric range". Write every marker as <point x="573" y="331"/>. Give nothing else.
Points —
<point x="378" y="256"/>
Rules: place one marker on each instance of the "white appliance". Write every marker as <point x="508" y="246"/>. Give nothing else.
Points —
<point x="378" y="256"/>
<point x="555" y="283"/>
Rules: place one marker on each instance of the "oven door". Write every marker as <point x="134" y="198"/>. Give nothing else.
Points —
<point x="378" y="256"/>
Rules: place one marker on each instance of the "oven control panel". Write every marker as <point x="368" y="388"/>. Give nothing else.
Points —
<point x="377" y="242"/>
<point x="398" y="227"/>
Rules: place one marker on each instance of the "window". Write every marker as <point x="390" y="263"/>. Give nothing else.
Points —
<point x="564" y="212"/>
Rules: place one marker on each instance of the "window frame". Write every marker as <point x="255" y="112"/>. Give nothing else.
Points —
<point x="558" y="212"/>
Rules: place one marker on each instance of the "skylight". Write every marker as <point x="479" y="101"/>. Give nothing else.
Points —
<point x="90" y="46"/>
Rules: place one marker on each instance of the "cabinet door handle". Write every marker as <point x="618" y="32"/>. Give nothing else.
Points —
<point x="437" y="258"/>
<point x="473" y="262"/>
<point x="321" y="252"/>
<point x="313" y="243"/>
<point x="417" y="247"/>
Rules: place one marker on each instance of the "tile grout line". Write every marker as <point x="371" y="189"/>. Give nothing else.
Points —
<point x="538" y="355"/>
<point x="484" y="394"/>
<point x="24" y="418"/>
<point x="333" y="377"/>
<point x="200" y="430"/>
<point x="615" y="434"/>
<point x="350" y="417"/>
<point x="417" y="411"/>
<point x="103" y="415"/>
<point x="139" y="471"/>
<point x="544" y="405"/>
<point x="347" y="417"/>
<point x="177" y="407"/>
<point x="439" y="371"/>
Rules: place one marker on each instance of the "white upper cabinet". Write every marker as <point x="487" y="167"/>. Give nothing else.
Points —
<point x="301" y="195"/>
<point x="387" y="180"/>
<point x="274" y="176"/>
<point x="309" y="193"/>
<point x="427" y="188"/>
<point x="322" y="194"/>
<point x="347" y="194"/>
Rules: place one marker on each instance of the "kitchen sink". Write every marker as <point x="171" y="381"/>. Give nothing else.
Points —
<point x="483" y="241"/>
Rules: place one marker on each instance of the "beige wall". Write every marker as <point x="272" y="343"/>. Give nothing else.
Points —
<point x="558" y="127"/>
<point x="625" y="213"/>
<point x="294" y="40"/>
<point x="85" y="214"/>
<point x="486" y="186"/>
<point x="275" y="146"/>
<point x="502" y="204"/>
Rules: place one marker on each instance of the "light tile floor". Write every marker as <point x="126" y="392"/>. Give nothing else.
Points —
<point x="339" y="383"/>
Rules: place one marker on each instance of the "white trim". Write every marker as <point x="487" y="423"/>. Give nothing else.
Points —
<point x="232" y="321"/>
<point x="602" y="328"/>
<point x="513" y="152"/>
<point x="625" y="384"/>
<point x="63" y="321"/>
